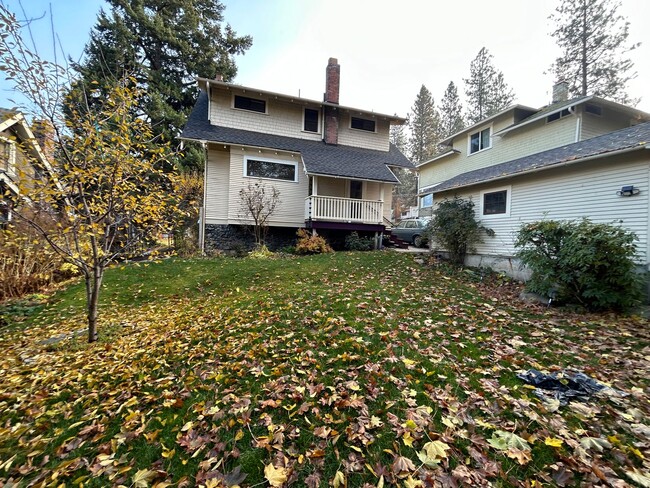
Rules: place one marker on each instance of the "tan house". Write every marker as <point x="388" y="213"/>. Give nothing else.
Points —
<point x="330" y="163"/>
<point x="584" y="157"/>
<point x="22" y="160"/>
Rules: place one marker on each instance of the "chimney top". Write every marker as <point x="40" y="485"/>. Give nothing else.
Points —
<point x="560" y="91"/>
<point x="332" y="81"/>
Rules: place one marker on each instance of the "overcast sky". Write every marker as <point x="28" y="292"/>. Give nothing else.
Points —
<point x="386" y="49"/>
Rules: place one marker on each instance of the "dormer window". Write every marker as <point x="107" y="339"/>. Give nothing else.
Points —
<point x="479" y="141"/>
<point x="250" y="104"/>
<point x="310" y="120"/>
<point x="358" y="123"/>
<point x="558" y="115"/>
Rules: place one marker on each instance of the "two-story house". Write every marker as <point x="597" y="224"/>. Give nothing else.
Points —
<point x="584" y="157"/>
<point x="330" y="163"/>
<point x="22" y="159"/>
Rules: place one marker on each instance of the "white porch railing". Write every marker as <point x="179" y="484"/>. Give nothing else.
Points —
<point x="337" y="209"/>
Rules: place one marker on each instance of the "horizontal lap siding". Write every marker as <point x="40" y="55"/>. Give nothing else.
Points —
<point x="217" y="179"/>
<point x="572" y="193"/>
<point x="291" y="210"/>
<point x="379" y="140"/>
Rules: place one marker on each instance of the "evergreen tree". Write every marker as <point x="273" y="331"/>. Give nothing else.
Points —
<point x="451" y="112"/>
<point x="165" y="45"/>
<point x="425" y="127"/>
<point x="593" y="39"/>
<point x="404" y="194"/>
<point x="486" y="90"/>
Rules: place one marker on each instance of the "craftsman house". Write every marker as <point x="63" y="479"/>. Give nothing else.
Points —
<point x="22" y="159"/>
<point x="585" y="157"/>
<point x="330" y="163"/>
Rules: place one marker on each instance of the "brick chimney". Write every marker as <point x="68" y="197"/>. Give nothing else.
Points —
<point x="332" y="84"/>
<point x="560" y="91"/>
<point x="44" y="135"/>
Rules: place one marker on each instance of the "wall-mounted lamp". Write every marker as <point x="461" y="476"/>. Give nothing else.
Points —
<point x="628" y="191"/>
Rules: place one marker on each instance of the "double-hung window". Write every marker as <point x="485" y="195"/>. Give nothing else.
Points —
<point x="310" y="122"/>
<point x="478" y="141"/>
<point x="496" y="202"/>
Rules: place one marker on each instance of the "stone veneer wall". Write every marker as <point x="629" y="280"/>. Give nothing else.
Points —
<point x="238" y="238"/>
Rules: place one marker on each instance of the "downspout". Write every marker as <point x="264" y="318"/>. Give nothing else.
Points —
<point x="578" y="122"/>
<point x="204" y="145"/>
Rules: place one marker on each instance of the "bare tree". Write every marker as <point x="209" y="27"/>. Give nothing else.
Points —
<point x="258" y="203"/>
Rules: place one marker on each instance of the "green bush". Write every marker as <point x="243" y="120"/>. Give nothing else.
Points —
<point x="455" y="229"/>
<point x="581" y="262"/>
<point x="311" y="244"/>
<point x="354" y="242"/>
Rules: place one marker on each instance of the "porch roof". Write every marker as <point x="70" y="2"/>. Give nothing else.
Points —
<point x="319" y="158"/>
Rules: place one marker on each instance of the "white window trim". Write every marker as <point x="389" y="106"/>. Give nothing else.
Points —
<point x="469" y="140"/>
<point x="508" y="201"/>
<point x="270" y="160"/>
<point x="265" y="100"/>
<point x="318" y="131"/>
<point x="362" y="130"/>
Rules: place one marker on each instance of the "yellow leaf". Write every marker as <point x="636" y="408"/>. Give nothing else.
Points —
<point x="432" y="453"/>
<point x="411" y="483"/>
<point x="275" y="476"/>
<point x="407" y="439"/>
<point x="339" y="480"/>
<point x="380" y="484"/>
<point x="187" y="426"/>
<point x="410" y="425"/>
<point x="142" y="478"/>
<point x="239" y="435"/>
<point x="553" y="442"/>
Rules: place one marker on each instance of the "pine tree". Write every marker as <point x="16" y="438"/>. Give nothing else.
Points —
<point x="165" y="45"/>
<point x="486" y="90"/>
<point x="593" y="39"/>
<point x="404" y="194"/>
<point x="451" y="112"/>
<point x="425" y="127"/>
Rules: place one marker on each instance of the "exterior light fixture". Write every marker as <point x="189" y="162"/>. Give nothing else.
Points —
<point x="628" y="191"/>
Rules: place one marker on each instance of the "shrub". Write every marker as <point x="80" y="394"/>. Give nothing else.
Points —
<point x="581" y="262"/>
<point x="355" y="242"/>
<point x="311" y="244"/>
<point x="455" y="229"/>
<point x="261" y="252"/>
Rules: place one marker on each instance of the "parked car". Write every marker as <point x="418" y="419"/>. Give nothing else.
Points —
<point x="412" y="231"/>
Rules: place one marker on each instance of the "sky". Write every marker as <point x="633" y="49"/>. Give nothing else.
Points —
<point x="387" y="49"/>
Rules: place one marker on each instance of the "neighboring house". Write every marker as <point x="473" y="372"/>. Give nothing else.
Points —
<point x="22" y="159"/>
<point x="330" y="163"/>
<point x="584" y="157"/>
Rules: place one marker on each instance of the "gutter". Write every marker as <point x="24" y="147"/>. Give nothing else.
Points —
<point x="552" y="166"/>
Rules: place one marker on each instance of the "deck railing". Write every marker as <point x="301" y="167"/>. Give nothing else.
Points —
<point x="339" y="209"/>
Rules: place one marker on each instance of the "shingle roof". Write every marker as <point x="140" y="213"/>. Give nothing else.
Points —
<point x="319" y="158"/>
<point x="637" y="136"/>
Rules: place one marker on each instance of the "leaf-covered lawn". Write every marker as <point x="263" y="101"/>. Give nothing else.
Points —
<point x="353" y="369"/>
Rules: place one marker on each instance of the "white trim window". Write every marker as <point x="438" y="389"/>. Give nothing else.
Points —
<point x="426" y="201"/>
<point x="242" y="102"/>
<point x="270" y="169"/>
<point x="311" y="120"/>
<point x="479" y="140"/>
<point x="495" y="202"/>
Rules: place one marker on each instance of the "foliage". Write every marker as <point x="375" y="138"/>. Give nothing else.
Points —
<point x="594" y="43"/>
<point x="451" y="112"/>
<point x="355" y="242"/>
<point x="404" y="194"/>
<point x="257" y="204"/>
<point x="27" y="264"/>
<point x="357" y="368"/>
<point x="486" y="90"/>
<point x="261" y="252"/>
<point x="424" y="123"/>
<point x="581" y="262"/>
<point x="455" y="229"/>
<point x="107" y="195"/>
<point x="309" y="243"/>
<point x="189" y="193"/>
<point x="165" y="46"/>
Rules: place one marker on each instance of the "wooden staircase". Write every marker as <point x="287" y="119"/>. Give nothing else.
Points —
<point x="396" y="241"/>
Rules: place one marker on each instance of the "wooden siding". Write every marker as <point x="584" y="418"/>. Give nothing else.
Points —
<point x="217" y="179"/>
<point x="378" y="140"/>
<point x="585" y="190"/>
<point x="331" y="187"/>
<point x="597" y="125"/>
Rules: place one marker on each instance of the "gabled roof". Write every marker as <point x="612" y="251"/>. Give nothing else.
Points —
<point x="392" y="118"/>
<point x="629" y="139"/>
<point x="319" y="158"/>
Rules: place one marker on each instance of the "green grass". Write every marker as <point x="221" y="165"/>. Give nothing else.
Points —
<point x="347" y="362"/>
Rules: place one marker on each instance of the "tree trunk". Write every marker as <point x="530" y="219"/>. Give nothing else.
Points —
<point x="584" y="64"/>
<point x="93" y="286"/>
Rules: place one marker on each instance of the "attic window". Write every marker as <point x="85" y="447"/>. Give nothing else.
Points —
<point x="310" y="123"/>
<point x="590" y="108"/>
<point x="558" y="115"/>
<point x="251" y="104"/>
<point x="479" y="141"/>
<point x="362" y="124"/>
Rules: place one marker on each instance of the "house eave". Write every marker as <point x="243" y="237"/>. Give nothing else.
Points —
<point x="439" y="156"/>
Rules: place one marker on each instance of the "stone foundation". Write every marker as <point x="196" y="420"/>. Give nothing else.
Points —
<point x="239" y="238"/>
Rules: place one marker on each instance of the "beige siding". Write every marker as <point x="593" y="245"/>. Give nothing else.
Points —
<point x="332" y="187"/>
<point x="217" y="179"/>
<point x="572" y="193"/>
<point x="282" y="118"/>
<point x="597" y="125"/>
<point x="378" y="140"/>
<point x="291" y="211"/>
<point x="388" y="200"/>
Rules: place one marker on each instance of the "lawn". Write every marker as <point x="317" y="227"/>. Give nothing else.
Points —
<point x="348" y="369"/>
